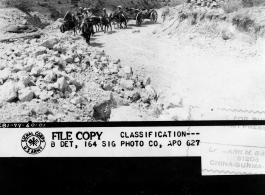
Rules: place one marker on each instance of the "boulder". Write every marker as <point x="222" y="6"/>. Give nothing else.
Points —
<point x="150" y="91"/>
<point x="25" y="95"/>
<point x="72" y="81"/>
<point x="78" y="100"/>
<point x="50" y="43"/>
<point x="102" y="110"/>
<point x="28" y="68"/>
<point x="71" y="88"/>
<point x="20" y="86"/>
<point x="40" y="51"/>
<point x="147" y="81"/>
<point x="127" y="70"/>
<point x="17" y="68"/>
<point x="128" y="84"/>
<point x="45" y="95"/>
<point x="8" y="91"/>
<point x="50" y="76"/>
<point x="63" y="85"/>
<point x="67" y="58"/>
<point x="4" y="74"/>
<point x="25" y="78"/>
<point x="36" y="90"/>
<point x="77" y="60"/>
<point x="59" y="47"/>
<point x="35" y="71"/>
<point x="107" y="86"/>
<point x="132" y="95"/>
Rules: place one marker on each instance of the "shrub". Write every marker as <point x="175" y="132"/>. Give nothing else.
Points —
<point x="231" y="5"/>
<point x="23" y="5"/>
<point x="251" y="3"/>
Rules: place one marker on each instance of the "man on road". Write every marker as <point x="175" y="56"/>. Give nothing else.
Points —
<point x="87" y="15"/>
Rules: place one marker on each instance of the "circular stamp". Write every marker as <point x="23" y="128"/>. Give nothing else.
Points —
<point x="33" y="143"/>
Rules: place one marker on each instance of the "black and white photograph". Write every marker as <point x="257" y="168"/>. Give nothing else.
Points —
<point x="156" y="90"/>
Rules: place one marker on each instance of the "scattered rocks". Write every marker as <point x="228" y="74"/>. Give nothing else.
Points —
<point x="78" y="82"/>
<point x="50" y="43"/>
<point x="127" y="84"/>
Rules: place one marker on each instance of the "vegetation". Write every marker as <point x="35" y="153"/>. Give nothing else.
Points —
<point x="23" y="5"/>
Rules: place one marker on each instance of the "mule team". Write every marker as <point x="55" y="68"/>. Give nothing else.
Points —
<point x="83" y="20"/>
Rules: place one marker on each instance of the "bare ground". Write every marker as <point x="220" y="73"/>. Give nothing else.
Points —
<point x="201" y="77"/>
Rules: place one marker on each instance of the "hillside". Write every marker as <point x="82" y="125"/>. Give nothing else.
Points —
<point x="201" y="55"/>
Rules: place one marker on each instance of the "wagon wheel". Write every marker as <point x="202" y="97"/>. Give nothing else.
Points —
<point x="154" y="16"/>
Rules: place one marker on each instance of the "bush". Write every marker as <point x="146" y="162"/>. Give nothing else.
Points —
<point x="251" y="3"/>
<point x="23" y="5"/>
<point x="231" y="5"/>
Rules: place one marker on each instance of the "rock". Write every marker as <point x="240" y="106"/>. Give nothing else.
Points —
<point x="17" y="68"/>
<point x="132" y="95"/>
<point x="95" y="69"/>
<point x="108" y="86"/>
<point x="25" y="78"/>
<point x="50" y="43"/>
<point x="25" y="95"/>
<point x="125" y="113"/>
<point x="30" y="62"/>
<point x="4" y="74"/>
<point x="36" y="90"/>
<point x="116" y="61"/>
<point x="106" y="71"/>
<point x="77" y="60"/>
<point x="59" y="48"/>
<point x="102" y="110"/>
<point x="42" y="109"/>
<point x="72" y="81"/>
<point x="147" y="81"/>
<point x="63" y="85"/>
<point x="67" y="58"/>
<point x="8" y="92"/>
<point x="45" y="95"/>
<point x="40" y="51"/>
<point x="17" y="53"/>
<point x="50" y="76"/>
<point x="170" y="101"/>
<point x="78" y="100"/>
<point x="71" y="88"/>
<point x="128" y="84"/>
<point x="127" y="70"/>
<point x="113" y="70"/>
<point x="35" y="71"/>
<point x="151" y="92"/>
<point x="28" y="68"/>
<point x="51" y="118"/>
<point x="20" y="86"/>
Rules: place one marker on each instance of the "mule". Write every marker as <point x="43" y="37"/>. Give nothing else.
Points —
<point x="106" y="23"/>
<point x="97" y="22"/>
<point x="119" y="18"/>
<point x="69" y="23"/>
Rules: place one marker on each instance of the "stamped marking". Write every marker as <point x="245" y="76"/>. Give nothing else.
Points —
<point x="33" y="143"/>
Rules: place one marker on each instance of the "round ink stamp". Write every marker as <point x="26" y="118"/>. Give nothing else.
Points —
<point x="33" y="143"/>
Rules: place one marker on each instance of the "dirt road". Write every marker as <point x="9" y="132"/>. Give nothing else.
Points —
<point x="200" y="78"/>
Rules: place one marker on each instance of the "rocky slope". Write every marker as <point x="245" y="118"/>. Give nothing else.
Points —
<point x="60" y="78"/>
